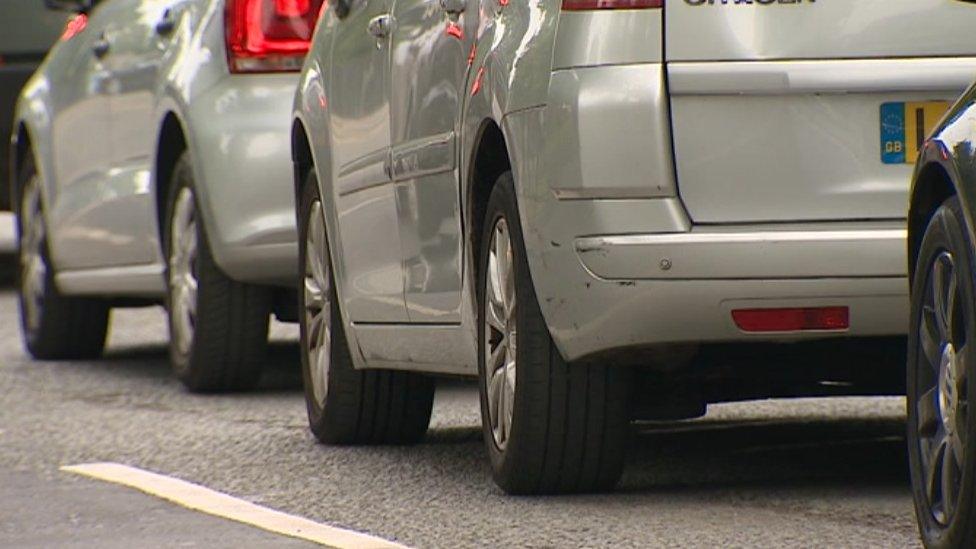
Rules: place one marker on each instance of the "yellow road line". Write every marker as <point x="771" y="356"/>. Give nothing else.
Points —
<point x="198" y="498"/>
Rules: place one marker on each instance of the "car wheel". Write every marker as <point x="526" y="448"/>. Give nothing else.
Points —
<point x="55" y="327"/>
<point x="346" y="405"/>
<point x="549" y="426"/>
<point x="942" y="352"/>
<point x="218" y="326"/>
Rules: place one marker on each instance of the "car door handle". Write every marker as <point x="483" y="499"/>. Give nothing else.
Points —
<point x="380" y="26"/>
<point x="453" y="7"/>
<point x="100" y="47"/>
<point x="166" y="25"/>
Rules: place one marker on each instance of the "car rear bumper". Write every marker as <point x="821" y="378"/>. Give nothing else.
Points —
<point x="628" y="273"/>
<point x="619" y="315"/>
<point x="240" y="130"/>
<point x="642" y="290"/>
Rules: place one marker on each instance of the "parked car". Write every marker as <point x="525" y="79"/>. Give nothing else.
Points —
<point x="942" y="331"/>
<point x="151" y="161"/>
<point x="551" y="195"/>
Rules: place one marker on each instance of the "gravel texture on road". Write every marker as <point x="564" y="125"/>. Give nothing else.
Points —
<point x="812" y="472"/>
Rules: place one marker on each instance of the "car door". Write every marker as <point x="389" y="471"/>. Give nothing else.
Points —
<point x="364" y="197"/>
<point x="431" y="44"/>
<point x="808" y="111"/>
<point x="137" y="44"/>
<point x="79" y="108"/>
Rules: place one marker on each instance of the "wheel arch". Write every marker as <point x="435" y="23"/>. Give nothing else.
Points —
<point x="19" y="149"/>
<point x="489" y="160"/>
<point x="933" y="186"/>
<point x="301" y="157"/>
<point x="170" y="144"/>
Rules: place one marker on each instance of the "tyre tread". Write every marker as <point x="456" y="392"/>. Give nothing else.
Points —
<point x="572" y="418"/>
<point x="371" y="406"/>
<point x="231" y="333"/>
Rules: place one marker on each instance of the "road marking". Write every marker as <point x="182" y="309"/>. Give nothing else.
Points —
<point x="198" y="498"/>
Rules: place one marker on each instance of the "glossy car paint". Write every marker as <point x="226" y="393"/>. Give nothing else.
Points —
<point x="946" y="166"/>
<point x="585" y="102"/>
<point x="823" y="70"/>
<point x="98" y="124"/>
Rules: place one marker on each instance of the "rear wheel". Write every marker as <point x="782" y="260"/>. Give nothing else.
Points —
<point x="345" y="405"/>
<point x="942" y="352"/>
<point x="549" y="426"/>
<point x="54" y="326"/>
<point x="218" y="326"/>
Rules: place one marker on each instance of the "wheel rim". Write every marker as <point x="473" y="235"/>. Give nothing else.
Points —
<point x="182" y="270"/>
<point x="33" y="270"/>
<point x="942" y="398"/>
<point x="500" y="333"/>
<point x="318" y="310"/>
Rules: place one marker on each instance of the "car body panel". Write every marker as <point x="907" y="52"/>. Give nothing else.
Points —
<point x="780" y="30"/>
<point x="776" y="115"/>
<point x="429" y="74"/>
<point x="66" y="114"/>
<point x="107" y="220"/>
<point x="364" y="195"/>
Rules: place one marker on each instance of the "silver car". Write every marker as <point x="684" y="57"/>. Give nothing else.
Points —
<point x="151" y="164"/>
<point x="563" y="197"/>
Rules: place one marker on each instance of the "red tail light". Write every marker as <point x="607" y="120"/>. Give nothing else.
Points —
<point x="583" y="5"/>
<point x="269" y="35"/>
<point x="74" y="27"/>
<point x="792" y="320"/>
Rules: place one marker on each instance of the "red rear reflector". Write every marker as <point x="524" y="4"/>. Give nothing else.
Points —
<point x="74" y="27"/>
<point x="580" y="5"/>
<point x="792" y="320"/>
<point x="269" y="35"/>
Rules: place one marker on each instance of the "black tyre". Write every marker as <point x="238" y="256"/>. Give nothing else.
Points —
<point x="218" y="326"/>
<point x="941" y="355"/>
<point x="345" y="405"/>
<point x="55" y="327"/>
<point x="550" y="427"/>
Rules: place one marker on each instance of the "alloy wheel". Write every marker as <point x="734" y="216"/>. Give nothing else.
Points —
<point x="942" y="395"/>
<point x="33" y="270"/>
<point x="183" y="281"/>
<point x="500" y="333"/>
<point x="318" y="310"/>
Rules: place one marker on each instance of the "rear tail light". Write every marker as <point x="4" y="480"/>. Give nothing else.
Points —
<point x="792" y="320"/>
<point x="269" y="35"/>
<point x="74" y="27"/>
<point x="583" y="5"/>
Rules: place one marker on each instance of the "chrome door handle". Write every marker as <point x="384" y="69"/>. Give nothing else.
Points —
<point x="380" y="26"/>
<point x="453" y="7"/>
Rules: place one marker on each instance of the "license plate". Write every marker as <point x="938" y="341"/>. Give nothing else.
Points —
<point x="904" y="127"/>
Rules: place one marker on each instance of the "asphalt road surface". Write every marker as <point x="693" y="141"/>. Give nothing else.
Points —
<point x="810" y="473"/>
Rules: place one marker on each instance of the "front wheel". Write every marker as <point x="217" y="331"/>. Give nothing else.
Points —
<point x="346" y="405"/>
<point x="941" y="355"/>
<point x="549" y="426"/>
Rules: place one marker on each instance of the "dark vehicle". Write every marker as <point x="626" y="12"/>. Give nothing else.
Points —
<point x="942" y="331"/>
<point x="27" y="30"/>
